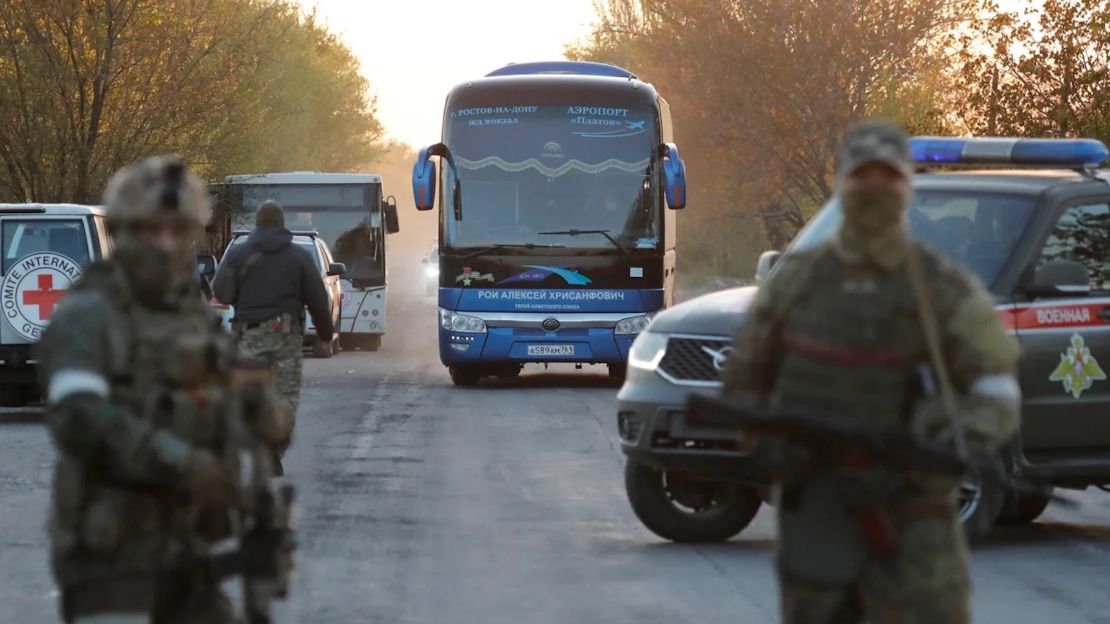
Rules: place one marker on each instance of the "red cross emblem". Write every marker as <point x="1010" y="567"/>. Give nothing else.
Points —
<point x="45" y="297"/>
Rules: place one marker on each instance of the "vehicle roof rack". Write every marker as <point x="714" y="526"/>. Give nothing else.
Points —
<point x="578" y="68"/>
<point x="1078" y="154"/>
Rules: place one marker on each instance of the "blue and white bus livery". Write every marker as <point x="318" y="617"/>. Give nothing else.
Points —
<point x="556" y="244"/>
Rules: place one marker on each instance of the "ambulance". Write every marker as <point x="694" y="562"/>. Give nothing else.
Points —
<point x="45" y="248"/>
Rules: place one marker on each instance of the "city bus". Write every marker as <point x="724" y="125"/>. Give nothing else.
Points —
<point x="557" y="184"/>
<point x="350" y="215"/>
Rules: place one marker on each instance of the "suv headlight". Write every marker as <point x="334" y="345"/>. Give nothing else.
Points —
<point x="453" y="321"/>
<point x="633" y="324"/>
<point x="647" y="350"/>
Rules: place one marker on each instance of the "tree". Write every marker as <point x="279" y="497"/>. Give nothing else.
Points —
<point x="87" y="86"/>
<point x="762" y="91"/>
<point x="1041" y="72"/>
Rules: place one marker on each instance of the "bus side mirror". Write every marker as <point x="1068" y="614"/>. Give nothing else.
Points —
<point x="392" y="223"/>
<point x="424" y="180"/>
<point x="767" y="261"/>
<point x="674" y="176"/>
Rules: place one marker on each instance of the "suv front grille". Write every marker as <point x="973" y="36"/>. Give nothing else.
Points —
<point x="692" y="360"/>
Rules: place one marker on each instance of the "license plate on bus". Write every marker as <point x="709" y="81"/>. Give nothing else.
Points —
<point x="550" y="349"/>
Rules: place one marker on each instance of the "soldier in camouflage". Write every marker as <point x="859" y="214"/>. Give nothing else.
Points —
<point x="271" y="281"/>
<point x="841" y="329"/>
<point x="140" y="406"/>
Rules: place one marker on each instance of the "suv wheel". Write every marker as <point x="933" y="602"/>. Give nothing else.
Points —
<point x="686" y="510"/>
<point x="1024" y="507"/>
<point x="465" y="375"/>
<point x="980" y="502"/>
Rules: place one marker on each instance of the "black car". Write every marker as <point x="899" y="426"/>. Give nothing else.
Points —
<point x="1039" y="239"/>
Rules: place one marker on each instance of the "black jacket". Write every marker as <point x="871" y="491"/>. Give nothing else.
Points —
<point x="284" y="278"/>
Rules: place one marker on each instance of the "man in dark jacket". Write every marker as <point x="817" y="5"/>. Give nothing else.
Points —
<point x="270" y="281"/>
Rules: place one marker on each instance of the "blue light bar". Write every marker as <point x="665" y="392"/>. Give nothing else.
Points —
<point x="1000" y="151"/>
<point x="582" y="68"/>
<point x="936" y="150"/>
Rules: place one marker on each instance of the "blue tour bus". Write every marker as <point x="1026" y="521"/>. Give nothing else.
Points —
<point x="556" y="243"/>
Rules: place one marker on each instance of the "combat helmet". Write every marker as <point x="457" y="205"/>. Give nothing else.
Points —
<point x="159" y="189"/>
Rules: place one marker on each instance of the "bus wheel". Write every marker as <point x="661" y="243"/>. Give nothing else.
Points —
<point x="617" y="371"/>
<point x="511" y="371"/>
<point x="464" y="375"/>
<point x="362" y="342"/>
<point x="13" y="395"/>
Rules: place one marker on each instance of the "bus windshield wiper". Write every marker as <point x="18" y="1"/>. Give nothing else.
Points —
<point x="488" y="248"/>
<point x="573" y="232"/>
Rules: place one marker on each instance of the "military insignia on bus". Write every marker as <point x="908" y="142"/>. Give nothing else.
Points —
<point x="469" y="275"/>
<point x="1078" y="369"/>
<point x="32" y="290"/>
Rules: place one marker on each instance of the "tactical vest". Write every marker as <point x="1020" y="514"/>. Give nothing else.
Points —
<point x="170" y="368"/>
<point x="851" y="345"/>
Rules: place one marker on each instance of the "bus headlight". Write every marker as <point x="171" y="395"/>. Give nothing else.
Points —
<point x="453" y="321"/>
<point x="647" y="350"/>
<point x="632" y="325"/>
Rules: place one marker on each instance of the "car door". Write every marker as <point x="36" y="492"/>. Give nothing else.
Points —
<point x="42" y="257"/>
<point x="1066" y="340"/>
<point x="335" y="291"/>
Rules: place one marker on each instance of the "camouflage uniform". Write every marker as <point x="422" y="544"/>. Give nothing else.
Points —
<point x="838" y="329"/>
<point x="147" y="426"/>
<point x="278" y="346"/>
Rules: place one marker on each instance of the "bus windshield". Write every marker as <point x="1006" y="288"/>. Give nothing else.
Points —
<point x="347" y="216"/>
<point x="528" y="171"/>
<point x="977" y="230"/>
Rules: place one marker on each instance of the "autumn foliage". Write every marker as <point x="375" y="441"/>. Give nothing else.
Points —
<point x="761" y="91"/>
<point x="234" y="86"/>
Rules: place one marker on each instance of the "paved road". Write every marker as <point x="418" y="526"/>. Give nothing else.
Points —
<point x="423" y="503"/>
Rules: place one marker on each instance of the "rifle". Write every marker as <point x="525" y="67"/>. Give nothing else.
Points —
<point x="263" y="523"/>
<point x="851" y="437"/>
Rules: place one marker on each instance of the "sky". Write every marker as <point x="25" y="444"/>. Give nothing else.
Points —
<point x="415" y="51"/>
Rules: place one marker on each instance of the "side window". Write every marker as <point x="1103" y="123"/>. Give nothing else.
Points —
<point x="103" y="240"/>
<point x="1083" y="235"/>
